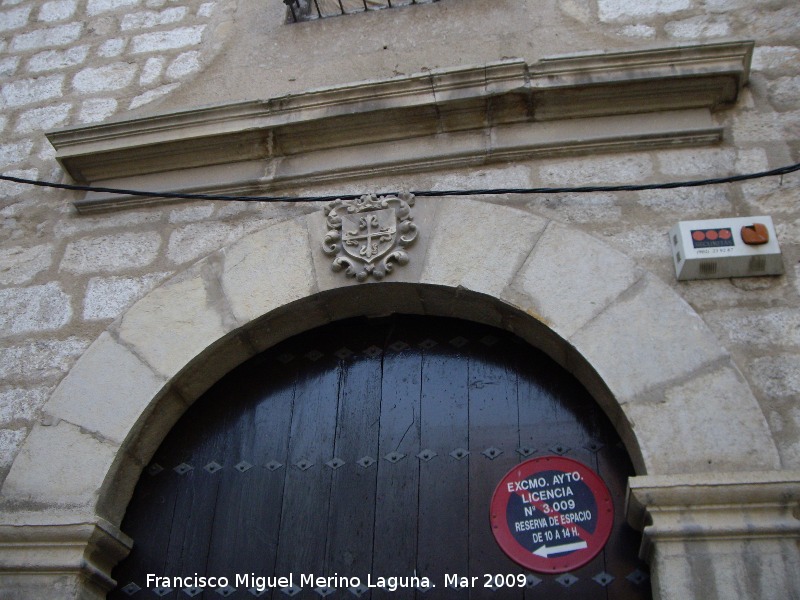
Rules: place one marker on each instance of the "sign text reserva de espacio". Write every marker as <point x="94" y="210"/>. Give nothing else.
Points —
<point x="309" y="580"/>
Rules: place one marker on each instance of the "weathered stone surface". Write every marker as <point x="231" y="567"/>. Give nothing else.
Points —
<point x="103" y="79"/>
<point x="634" y="353"/>
<point x="108" y="297"/>
<point x="150" y="19"/>
<point x="699" y="27"/>
<point x="612" y="10"/>
<point x="111" y="253"/>
<point x="46" y="472"/>
<point x="15" y="152"/>
<point x="33" y="309"/>
<point x="57" y="10"/>
<point x="777" y="375"/>
<point x="47" y="117"/>
<point x="14" y="18"/>
<point x="741" y="437"/>
<point x="151" y="95"/>
<point x="177" y="321"/>
<point x="104" y="405"/>
<point x="194" y="241"/>
<point x="597" y="170"/>
<point x="19" y="264"/>
<point x="112" y="47"/>
<point x="22" y="405"/>
<point x="60" y="35"/>
<point x="775" y="59"/>
<point x="97" y="109"/>
<point x="152" y="70"/>
<point x="10" y="443"/>
<point x="167" y="40"/>
<point x="185" y="65"/>
<point x="570" y="277"/>
<point x="470" y="236"/>
<point x="51" y="60"/>
<point x="94" y="7"/>
<point x="254" y="266"/>
<point x="41" y="360"/>
<point x="757" y="329"/>
<point x="28" y="91"/>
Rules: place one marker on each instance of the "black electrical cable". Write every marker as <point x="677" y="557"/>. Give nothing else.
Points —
<point x="425" y="193"/>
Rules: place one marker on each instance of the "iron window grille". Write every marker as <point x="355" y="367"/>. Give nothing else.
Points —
<point x="309" y="10"/>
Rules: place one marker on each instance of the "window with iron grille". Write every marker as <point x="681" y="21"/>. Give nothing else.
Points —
<point x="308" y="10"/>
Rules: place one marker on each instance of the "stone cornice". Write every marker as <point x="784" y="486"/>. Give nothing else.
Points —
<point x="427" y="106"/>
<point x="88" y="549"/>
<point x="714" y="507"/>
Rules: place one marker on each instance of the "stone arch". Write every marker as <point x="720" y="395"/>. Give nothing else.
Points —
<point x="583" y="303"/>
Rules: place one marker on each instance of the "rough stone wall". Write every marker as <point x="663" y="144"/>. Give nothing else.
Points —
<point x="64" y="278"/>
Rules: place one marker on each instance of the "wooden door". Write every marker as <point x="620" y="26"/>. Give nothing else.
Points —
<point x="369" y="448"/>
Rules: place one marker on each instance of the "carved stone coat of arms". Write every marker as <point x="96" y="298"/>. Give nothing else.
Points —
<point x="368" y="235"/>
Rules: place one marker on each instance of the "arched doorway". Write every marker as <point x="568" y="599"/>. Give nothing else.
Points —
<point x="370" y="447"/>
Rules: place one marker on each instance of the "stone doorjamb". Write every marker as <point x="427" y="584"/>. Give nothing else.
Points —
<point x="613" y="325"/>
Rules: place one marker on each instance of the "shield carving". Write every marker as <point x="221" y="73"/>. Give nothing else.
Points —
<point x="368" y="236"/>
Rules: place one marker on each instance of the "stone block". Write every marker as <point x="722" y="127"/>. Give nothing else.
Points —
<point x="95" y="7"/>
<point x="268" y="269"/>
<point x="741" y="439"/>
<point x="101" y="403"/>
<point x="97" y="109"/>
<point x="777" y="375"/>
<point x="60" y="35"/>
<point x="186" y="64"/>
<point x="178" y="321"/>
<point x="106" y="78"/>
<point x="57" y="10"/>
<point x="640" y="341"/>
<point x="15" y="152"/>
<point x="151" y="95"/>
<point x="38" y="119"/>
<point x="571" y="277"/>
<point x="47" y="474"/>
<point x="776" y="60"/>
<point x="34" y="309"/>
<point x="479" y="246"/>
<point x="10" y="443"/>
<point x="14" y="18"/>
<point x="159" y="41"/>
<point x="108" y="297"/>
<point x="112" y="47"/>
<point x="614" y="10"/>
<point x="686" y="203"/>
<point x="194" y="241"/>
<point x="19" y="265"/>
<point x="51" y="60"/>
<point x="39" y="360"/>
<point x="751" y="329"/>
<point x="112" y="253"/>
<point x="22" y="405"/>
<point x="8" y="66"/>
<point x="696" y="162"/>
<point x="150" y="19"/>
<point x="30" y="91"/>
<point x="698" y="28"/>
<point x="597" y="170"/>
<point x="785" y="93"/>
<point x="152" y="70"/>
<point x="757" y="127"/>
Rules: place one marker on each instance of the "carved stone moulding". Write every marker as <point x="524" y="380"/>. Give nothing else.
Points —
<point x="367" y="236"/>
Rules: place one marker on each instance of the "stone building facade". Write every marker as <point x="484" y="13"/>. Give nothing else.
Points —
<point x="700" y="378"/>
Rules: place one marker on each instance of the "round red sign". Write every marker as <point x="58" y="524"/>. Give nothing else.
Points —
<point x="551" y="514"/>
